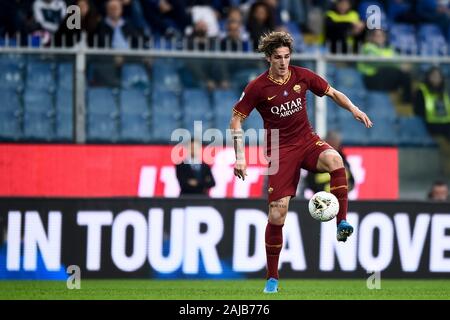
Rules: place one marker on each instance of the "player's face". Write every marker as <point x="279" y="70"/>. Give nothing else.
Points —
<point x="279" y="62"/>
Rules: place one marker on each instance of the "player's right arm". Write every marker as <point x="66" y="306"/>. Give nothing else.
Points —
<point x="247" y="102"/>
<point x="237" y="134"/>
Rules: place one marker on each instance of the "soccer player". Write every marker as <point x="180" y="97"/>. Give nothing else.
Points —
<point x="279" y="95"/>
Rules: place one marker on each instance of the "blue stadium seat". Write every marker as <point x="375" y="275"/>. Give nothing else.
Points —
<point x="331" y="73"/>
<point x="402" y="28"/>
<point x="12" y="71"/>
<point x="164" y="101"/>
<point x="134" y="128"/>
<point x="240" y="78"/>
<point x="333" y="123"/>
<point x="166" y="76"/>
<point x="222" y="122"/>
<point x="357" y="95"/>
<point x="134" y="101"/>
<point x="403" y="38"/>
<point x="223" y="102"/>
<point x="64" y="126"/>
<point x="188" y="80"/>
<point x="383" y="132"/>
<point x="101" y="101"/>
<point x="10" y="113"/>
<point x="354" y="133"/>
<point x="163" y="125"/>
<point x="64" y="115"/>
<point x="347" y="78"/>
<point x="10" y="101"/>
<point x="254" y="121"/>
<point x="101" y="128"/>
<point x="196" y="107"/>
<point x="9" y="126"/>
<point x="431" y="40"/>
<point x="428" y="29"/>
<point x="38" y="126"/>
<point x="102" y="115"/>
<point x="412" y="131"/>
<point x="134" y="75"/>
<point x="40" y="75"/>
<point x="196" y="99"/>
<point x="12" y="59"/>
<point x="38" y="101"/>
<point x="11" y="77"/>
<point x="65" y="76"/>
<point x="379" y="105"/>
<point x="64" y="100"/>
<point x="166" y="115"/>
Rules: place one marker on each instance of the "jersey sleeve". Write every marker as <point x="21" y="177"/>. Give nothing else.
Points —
<point x="318" y="85"/>
<point x="247" y="102"/>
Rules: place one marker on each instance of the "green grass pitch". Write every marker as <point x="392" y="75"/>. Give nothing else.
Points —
<point x="225" y="289"/>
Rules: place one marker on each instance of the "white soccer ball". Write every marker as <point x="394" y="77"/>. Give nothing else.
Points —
<point x="323" y="206"/>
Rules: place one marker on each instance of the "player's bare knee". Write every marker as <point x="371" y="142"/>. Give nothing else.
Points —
<point x="334" y="161"/>
<point x="278" y="211"/>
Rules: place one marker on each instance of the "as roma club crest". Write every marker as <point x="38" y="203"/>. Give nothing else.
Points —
<point x="297" y="88"/>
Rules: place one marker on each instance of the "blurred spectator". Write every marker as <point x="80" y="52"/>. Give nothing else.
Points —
<point x="434" y="11"/>
<point x="439" y="191"/>
<point x="276" y="12"/>
<point x="105" y="71"/>
<point x="166" y="17"/>
<point x="16" y="16"/>
<point x="260" y="21"/>
<point x="114" y="31"/>
<point x="404" y="11"/>
<point x="194" y="175"/>
<point x="89" y="21"/>
<point x="199" y="39"/>
<point x="133" y="12"/>
<point x="205" y="71"/>
<point x="202" y="10"/>
<point x="117" y="33"/>
<point x="295" y="11"/>
<point x="49" y="14"/>
<point x="384" y="76"/>
<point x="233" y="40"/>
<point x="344" y="30"/>
<point x="432" y="102"/>
<point x="321" y="181"/>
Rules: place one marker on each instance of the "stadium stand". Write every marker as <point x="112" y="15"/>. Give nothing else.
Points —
<point x="153" y="97"/>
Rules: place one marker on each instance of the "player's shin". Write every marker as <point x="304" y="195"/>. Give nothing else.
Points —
<point x="338" y="187"/>
<point x="274" y="243"/>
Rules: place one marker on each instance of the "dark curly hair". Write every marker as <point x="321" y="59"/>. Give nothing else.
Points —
<point x="269" y="42"/>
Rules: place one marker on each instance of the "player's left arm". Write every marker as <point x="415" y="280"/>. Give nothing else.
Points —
<point x="343" y="101"/>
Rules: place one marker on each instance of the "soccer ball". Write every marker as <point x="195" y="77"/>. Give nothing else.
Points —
<point x="323" y="206"/>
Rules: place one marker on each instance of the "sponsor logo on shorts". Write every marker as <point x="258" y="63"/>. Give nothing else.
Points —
<point x="320" y="143"/>
<point x="270" y="190"/>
